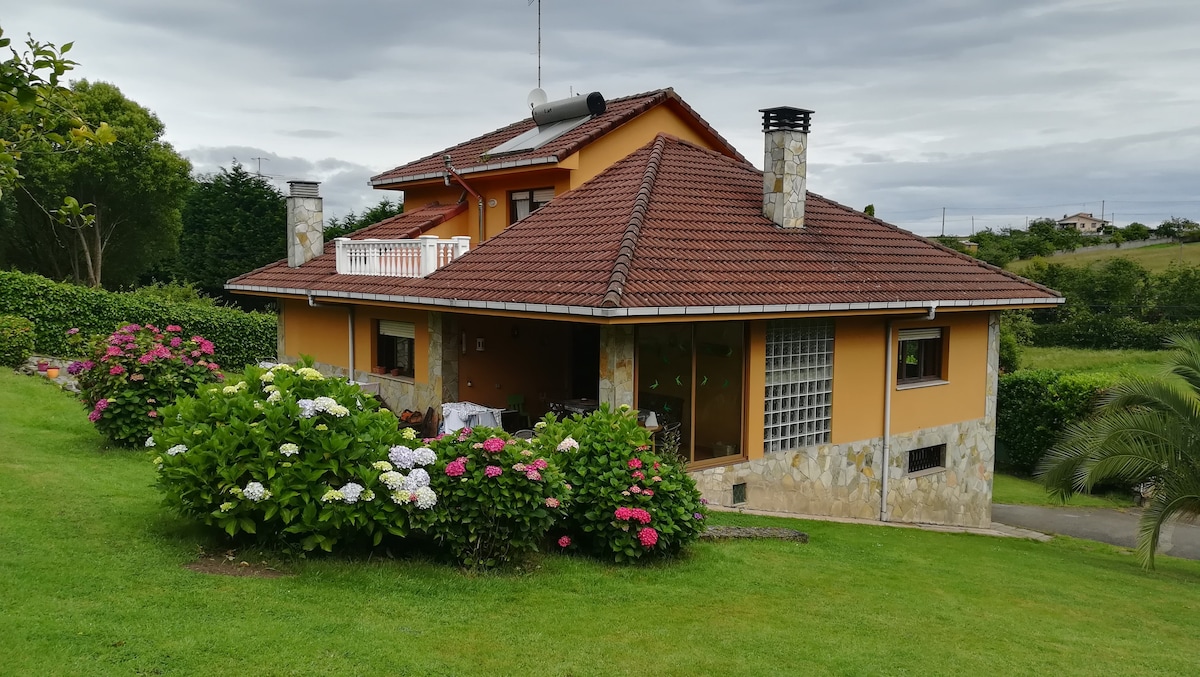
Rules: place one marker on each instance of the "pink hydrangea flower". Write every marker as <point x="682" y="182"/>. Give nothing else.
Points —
<point x="174" y="327"/>
<point x="644" y="447"/>
<point x="455" y="468"/>
<point x="477" y="445"/>
<point x="493" y="471"/>
<point x="533" y="475"/>
<point x="656" y="464"/>
<point x="647" y="492"/>
<point x="176" y="342"/>
<point x="113" y="351"/>
<point x="212" y="366"/>
<point x="72" y="331"/>
<point x="195" y="353"/>
<point x="564" y="542"/>
<point x="137" y="377"/>
<point x="493" y="444"/>
<point x="635" y="489"/>
<point x="519" y="467"/>
<point x="635" y="463"/>
<point x="648" y="537"/>
<point x="116" y="370"/>
<point x="638" y="475"/>
<point x="656" y="478"/>
<point x="152" y="414"/>
<point x="539" y="464"/>
<point x="552" y="502"/>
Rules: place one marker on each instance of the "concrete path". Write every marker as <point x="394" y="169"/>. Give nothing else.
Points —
<point x="1118" y="527"/>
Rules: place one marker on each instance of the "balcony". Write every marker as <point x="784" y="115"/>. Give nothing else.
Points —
<point x="398" y="258"/>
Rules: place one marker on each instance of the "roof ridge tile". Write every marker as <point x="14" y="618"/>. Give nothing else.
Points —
<point x="641" y="205"/>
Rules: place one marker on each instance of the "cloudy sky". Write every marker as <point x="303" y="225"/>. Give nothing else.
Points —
<point x="997" y="110"/>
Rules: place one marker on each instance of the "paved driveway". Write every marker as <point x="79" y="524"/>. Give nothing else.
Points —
<point x="1118" y="527"/>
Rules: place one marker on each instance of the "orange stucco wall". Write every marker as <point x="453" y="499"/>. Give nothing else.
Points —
<point x="756" y="385"/>
<point x="319" y="332"/>
<point x="619" y="143"/>
<point x="859" y="372"/>
<point x="365" y="345"/>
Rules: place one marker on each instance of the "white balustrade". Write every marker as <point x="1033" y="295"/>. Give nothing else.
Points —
<point x="398" y="258"/>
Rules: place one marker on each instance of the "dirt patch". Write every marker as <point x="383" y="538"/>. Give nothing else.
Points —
<point x="779" y="533"/>
<point x="230" y="565"/>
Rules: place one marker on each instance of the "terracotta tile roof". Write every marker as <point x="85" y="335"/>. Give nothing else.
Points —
<point x="321" y="272"/>
<point x="469" y="156"/>
<point x="677" y="226"/>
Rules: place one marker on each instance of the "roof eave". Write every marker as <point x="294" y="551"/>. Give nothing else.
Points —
<point x="510" y="164"/>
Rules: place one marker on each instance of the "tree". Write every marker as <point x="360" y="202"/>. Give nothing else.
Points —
<point x="234" y="222"/>
<point x="125" y="211"/>
<point x="869" y="210"/>
<point x="352" y="222"/>
<point x="1135" y="231"/>
<point x="36" y="110"/>
<point x="1144" y="431"/>
<point x="1176" y="227"/>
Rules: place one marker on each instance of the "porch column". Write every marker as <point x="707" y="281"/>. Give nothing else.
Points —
<point x="441" y="382"/>
<point x="616" y="365"/>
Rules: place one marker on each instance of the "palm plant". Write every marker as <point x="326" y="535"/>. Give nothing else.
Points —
<point x="1144" y="430"/>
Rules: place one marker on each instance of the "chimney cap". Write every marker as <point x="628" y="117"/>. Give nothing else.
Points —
<point x="785" y="119"/>
<point x="303" y="188"/>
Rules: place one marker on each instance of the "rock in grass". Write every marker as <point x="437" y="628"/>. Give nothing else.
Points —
<point x="779" y="533"/>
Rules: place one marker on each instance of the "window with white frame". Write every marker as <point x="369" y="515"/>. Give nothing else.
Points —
<point x="922" y="356"/>
<point x="799" y="379"/>
<point x="522" y="203"/>
<point x="394" y="347"/>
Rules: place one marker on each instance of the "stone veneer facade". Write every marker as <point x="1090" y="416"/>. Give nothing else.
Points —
<point x="785" y="177"/>
<point x="844" y="480"/>
<point x="616" y="364"/>
<point x="305" y="223"/>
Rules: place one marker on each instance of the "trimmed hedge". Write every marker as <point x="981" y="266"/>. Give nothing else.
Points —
<point x="54" y="307"/>
<point x="16" y="340"/>
<point x="1035" y="405"/>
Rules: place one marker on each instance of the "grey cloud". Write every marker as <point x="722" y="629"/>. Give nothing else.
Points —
<point x="312" y="133"/>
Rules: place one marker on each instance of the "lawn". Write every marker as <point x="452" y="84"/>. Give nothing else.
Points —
<point x="1155" y="257"/>
<point x="1018" y="491"/>
<point x="1122" y="362"/>
<point x="92" y="582"/>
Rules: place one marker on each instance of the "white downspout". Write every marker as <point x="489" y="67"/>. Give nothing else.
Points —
<point x="888" y="369"/>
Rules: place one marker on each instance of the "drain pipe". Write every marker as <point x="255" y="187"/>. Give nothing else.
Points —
<point x="890" y="369"/>
<point x="350" y="329"/>
<point x="478" y="198"/>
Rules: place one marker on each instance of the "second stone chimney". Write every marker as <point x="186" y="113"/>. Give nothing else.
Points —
<point x="305" y="222"/>
<point x="785" y="168"/>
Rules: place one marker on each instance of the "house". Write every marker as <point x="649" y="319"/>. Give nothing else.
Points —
<point x="812" y="359"/>
<point x="1084" y="223"/>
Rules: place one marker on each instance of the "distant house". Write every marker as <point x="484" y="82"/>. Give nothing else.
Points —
<point x="1084" y="223"/>
<point x="803" y="356"/>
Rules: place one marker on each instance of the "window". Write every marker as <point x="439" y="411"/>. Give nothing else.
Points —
<point x="799" y="383"/>
<point x="522" y="203"/>
<point x="394" y="347"/>
<point x="927" y="458"/>
<point x="922" y="355"/>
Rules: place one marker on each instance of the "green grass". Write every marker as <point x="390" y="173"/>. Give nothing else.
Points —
<point x="1155" y="257"/>
<point x="92" y="583"/>
<point x="1121" y="362"/>
<point x="1017" y="491"/>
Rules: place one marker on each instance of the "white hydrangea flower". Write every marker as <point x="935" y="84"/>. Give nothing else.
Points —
<point x="568" y="444"/>
<point x="539" y="425"/>
<point x="289" y="449"/>
<point x="324" y="403"/>
<point x="282" y="367"/>
<point x="274" y="396"/>
<point x="402" y="457"/>
<point x="150" y="441"/>
<point x="270" y="388"/>
<point x="338" y="410"/>
<point x="401" y="496"/>
<point x="229" y="390"/>
<point x="424" y="456"/>
<point x="176" y="450"/>
<point x="416" y="479"/>
<point x="267" y="376"/>
<point x="382" y="465"/>
<point x="408" y="434"/>
<point x="307" y="408"/>
<point x="331" y="495"/>
<point x="258" y="405"/>
<point x="310" y="374"/>
<point x="392" y="480"/>
<point x="256" y="492"/>
<point x="425" y="498"/>
<point x="367" y="495"/>
<point x="351" y="492"/>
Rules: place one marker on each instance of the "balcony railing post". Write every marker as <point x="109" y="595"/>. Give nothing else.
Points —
<point x="462" y="245"/>
<point x="342" y="255"/>
<point x="428" y="254"/>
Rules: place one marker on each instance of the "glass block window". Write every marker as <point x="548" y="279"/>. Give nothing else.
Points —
<point x="799" y="393"/>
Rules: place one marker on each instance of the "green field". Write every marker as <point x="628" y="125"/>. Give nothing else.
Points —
<point x="1120" y="362"/>
<point x="92" y="582"/>
<point x="1155" y="257"/>
<point x="1017" y="491"/>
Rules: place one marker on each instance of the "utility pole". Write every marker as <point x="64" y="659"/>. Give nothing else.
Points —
<point x="1102" y="210"/>
<point x="260" y="160"/>
<point x="972" y="226"/>
<point x="943" y="222"/>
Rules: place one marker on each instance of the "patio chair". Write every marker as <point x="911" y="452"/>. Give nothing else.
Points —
<point x="524" y="434"/>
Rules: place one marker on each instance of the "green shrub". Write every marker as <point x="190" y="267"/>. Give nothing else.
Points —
<point x="16" y="340"/>
<point x="628" y="503"/>
<point x="127" y="376"/>
<point x="1105" y="332"/>
<point x="1035" y="405"/>
<point x="292" y="456"/>
<point x="54" y="307"/>
<point x="1010" y="350"/>
<point x="498" y="496"/>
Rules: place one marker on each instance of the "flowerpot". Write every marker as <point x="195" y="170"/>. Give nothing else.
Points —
<point x="43" y="366"/>
<point x="52" y="372"/>
<point x="378" y="370"/>
<point x="395" y="372"/>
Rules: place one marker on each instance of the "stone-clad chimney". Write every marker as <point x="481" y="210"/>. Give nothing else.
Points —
<point x="305" y="222"/>
<point x="785" y="168"/>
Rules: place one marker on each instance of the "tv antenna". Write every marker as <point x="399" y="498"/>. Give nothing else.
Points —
<point x="260" y="161"/>
<point x="539" y="39"/>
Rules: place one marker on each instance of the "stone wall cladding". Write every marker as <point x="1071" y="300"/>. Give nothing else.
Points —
<point x="785" y="177"/>
<point x="305" y="224"/>
<point x="616" y="364"/>
<point x="843" y="480"/>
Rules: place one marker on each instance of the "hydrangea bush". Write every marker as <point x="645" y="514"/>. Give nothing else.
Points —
<point x="127" y="376"/>
<point x="286" y="453"/>
<point x="629" y="503"/>
<point x="501" y="496"/>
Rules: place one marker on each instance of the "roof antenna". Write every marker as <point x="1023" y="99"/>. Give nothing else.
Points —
<point x="539" y="39"/>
